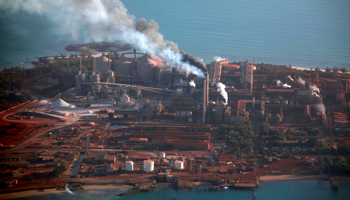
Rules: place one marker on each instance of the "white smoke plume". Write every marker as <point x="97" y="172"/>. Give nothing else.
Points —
<point x="192" y="83"/>
<point x="320" y="107"/>
<point x="100" y="20"/>
<point x="301" y="81"/>
<point x="279" y="83"/>
<point x="219" y="58"/>
<point x="221" y="89"/>
<point x="314" y="88"/>
<point x="290" y="78"/>
<point x="285" y="85"/>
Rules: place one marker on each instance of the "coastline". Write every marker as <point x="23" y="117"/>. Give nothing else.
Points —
<point x="87" y="189"/>
<point x="265" y="178"/>
<point x="95" y="188"/>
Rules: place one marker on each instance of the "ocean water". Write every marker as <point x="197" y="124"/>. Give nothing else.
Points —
<point x="301" y="33"/>
<point x="271" y="190"/>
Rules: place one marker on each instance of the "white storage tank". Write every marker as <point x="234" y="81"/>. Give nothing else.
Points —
<point x="129" y="166"/>
<point x="162" y="155"/>
<point x="179" y="164"/>
<point x="148" y="165"/>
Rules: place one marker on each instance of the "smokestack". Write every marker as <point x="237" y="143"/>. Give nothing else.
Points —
<point x="94" y="65"/>
<point x="205" y="95"/>
<point x="109" y="63"/>
<point x="135" y="53"/>
<point x="253" y="102"/>
<point x="81" y="65"/>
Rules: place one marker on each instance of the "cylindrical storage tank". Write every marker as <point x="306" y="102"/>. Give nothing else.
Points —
<point x="162" y="155"/>
<point x="129" y="166"/>
<point x="179" y="164"/>
<point x="148" y="165"/>
<point x="146" y="68"/>
<point x="123" y="66"/>
<point x="101" y="64"/>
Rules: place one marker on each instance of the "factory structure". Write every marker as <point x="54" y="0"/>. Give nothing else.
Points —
<point x="126" y="78"/>
<point x="141" y="115"/>
<point x="225" y="93"/>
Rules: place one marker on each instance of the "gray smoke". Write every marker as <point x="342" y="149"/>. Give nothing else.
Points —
<point x="95" y="20"/>
<point x="103" y="20"/>
<point x="194" y="61"/>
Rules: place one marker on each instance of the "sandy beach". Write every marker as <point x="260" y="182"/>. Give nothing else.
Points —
<point x="293" y="177"/>
<point x="106" y="187"/>
<point x="28" y="193"/>
<point x="87" y="188"/>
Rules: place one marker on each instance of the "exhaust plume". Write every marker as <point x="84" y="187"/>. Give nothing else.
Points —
<point x="279" y="83"/>
<point x="285" y="85"/>
<point x="301" y="81"/>
<point x="218" y="58"/>
<point x="320" y="107"/>
<point x="221" y="89"/>
<point x="290" y="78"/>
<point x="314" y="88"/>
<point x="194" y="61"/>
<point x="192" y="83"/>
<point x="104" y="20"/>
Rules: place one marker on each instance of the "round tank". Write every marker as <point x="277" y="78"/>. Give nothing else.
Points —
<point x="179" y="164"/>
<point x="101" y="63"/>
<point x="146" y="68"/>
<point x="129" y="166"/>
<point x="123" y="66"/>
<point x="162" y="155"/>
<point x="148" y="165"/>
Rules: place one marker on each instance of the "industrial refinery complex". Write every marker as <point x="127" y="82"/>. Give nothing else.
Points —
<point x="134" y="118"/>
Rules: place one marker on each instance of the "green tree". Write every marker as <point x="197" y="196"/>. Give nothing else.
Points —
<point x="264" y="128"/>
<point x="59" y="169"/>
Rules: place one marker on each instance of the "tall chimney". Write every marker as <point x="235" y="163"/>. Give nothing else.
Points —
<point x="135" y="61"/>
<point x="109" y="63"/>
<point x="205" y="95"/>
<point x="81" y="65"/>
<point x="94" y="65"/>
<point x="135" y="53"/>
<point x="253" y="102"/>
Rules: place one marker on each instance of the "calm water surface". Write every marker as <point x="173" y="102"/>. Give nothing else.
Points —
<point x="271" y="190"/>
<point x="301" y="33"/>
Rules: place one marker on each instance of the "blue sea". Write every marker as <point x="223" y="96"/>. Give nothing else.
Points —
<point x="303" y="33"/>
<point x="271" y="190"/>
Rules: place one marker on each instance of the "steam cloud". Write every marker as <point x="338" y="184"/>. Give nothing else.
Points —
<point x="218" y="58"/>
<point x="279" y="83"/>
<point x="102" y="20"/>
<point x="321" y="108"/>
<point x="222" y="91"/>
<point x="283" y="85"/>
<point x="301" y="81"/>
<point x="192" y="83"/>
<point x="314" y="88"/>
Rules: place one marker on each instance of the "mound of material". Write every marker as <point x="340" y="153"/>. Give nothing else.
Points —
<point x="59" y="103"/>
